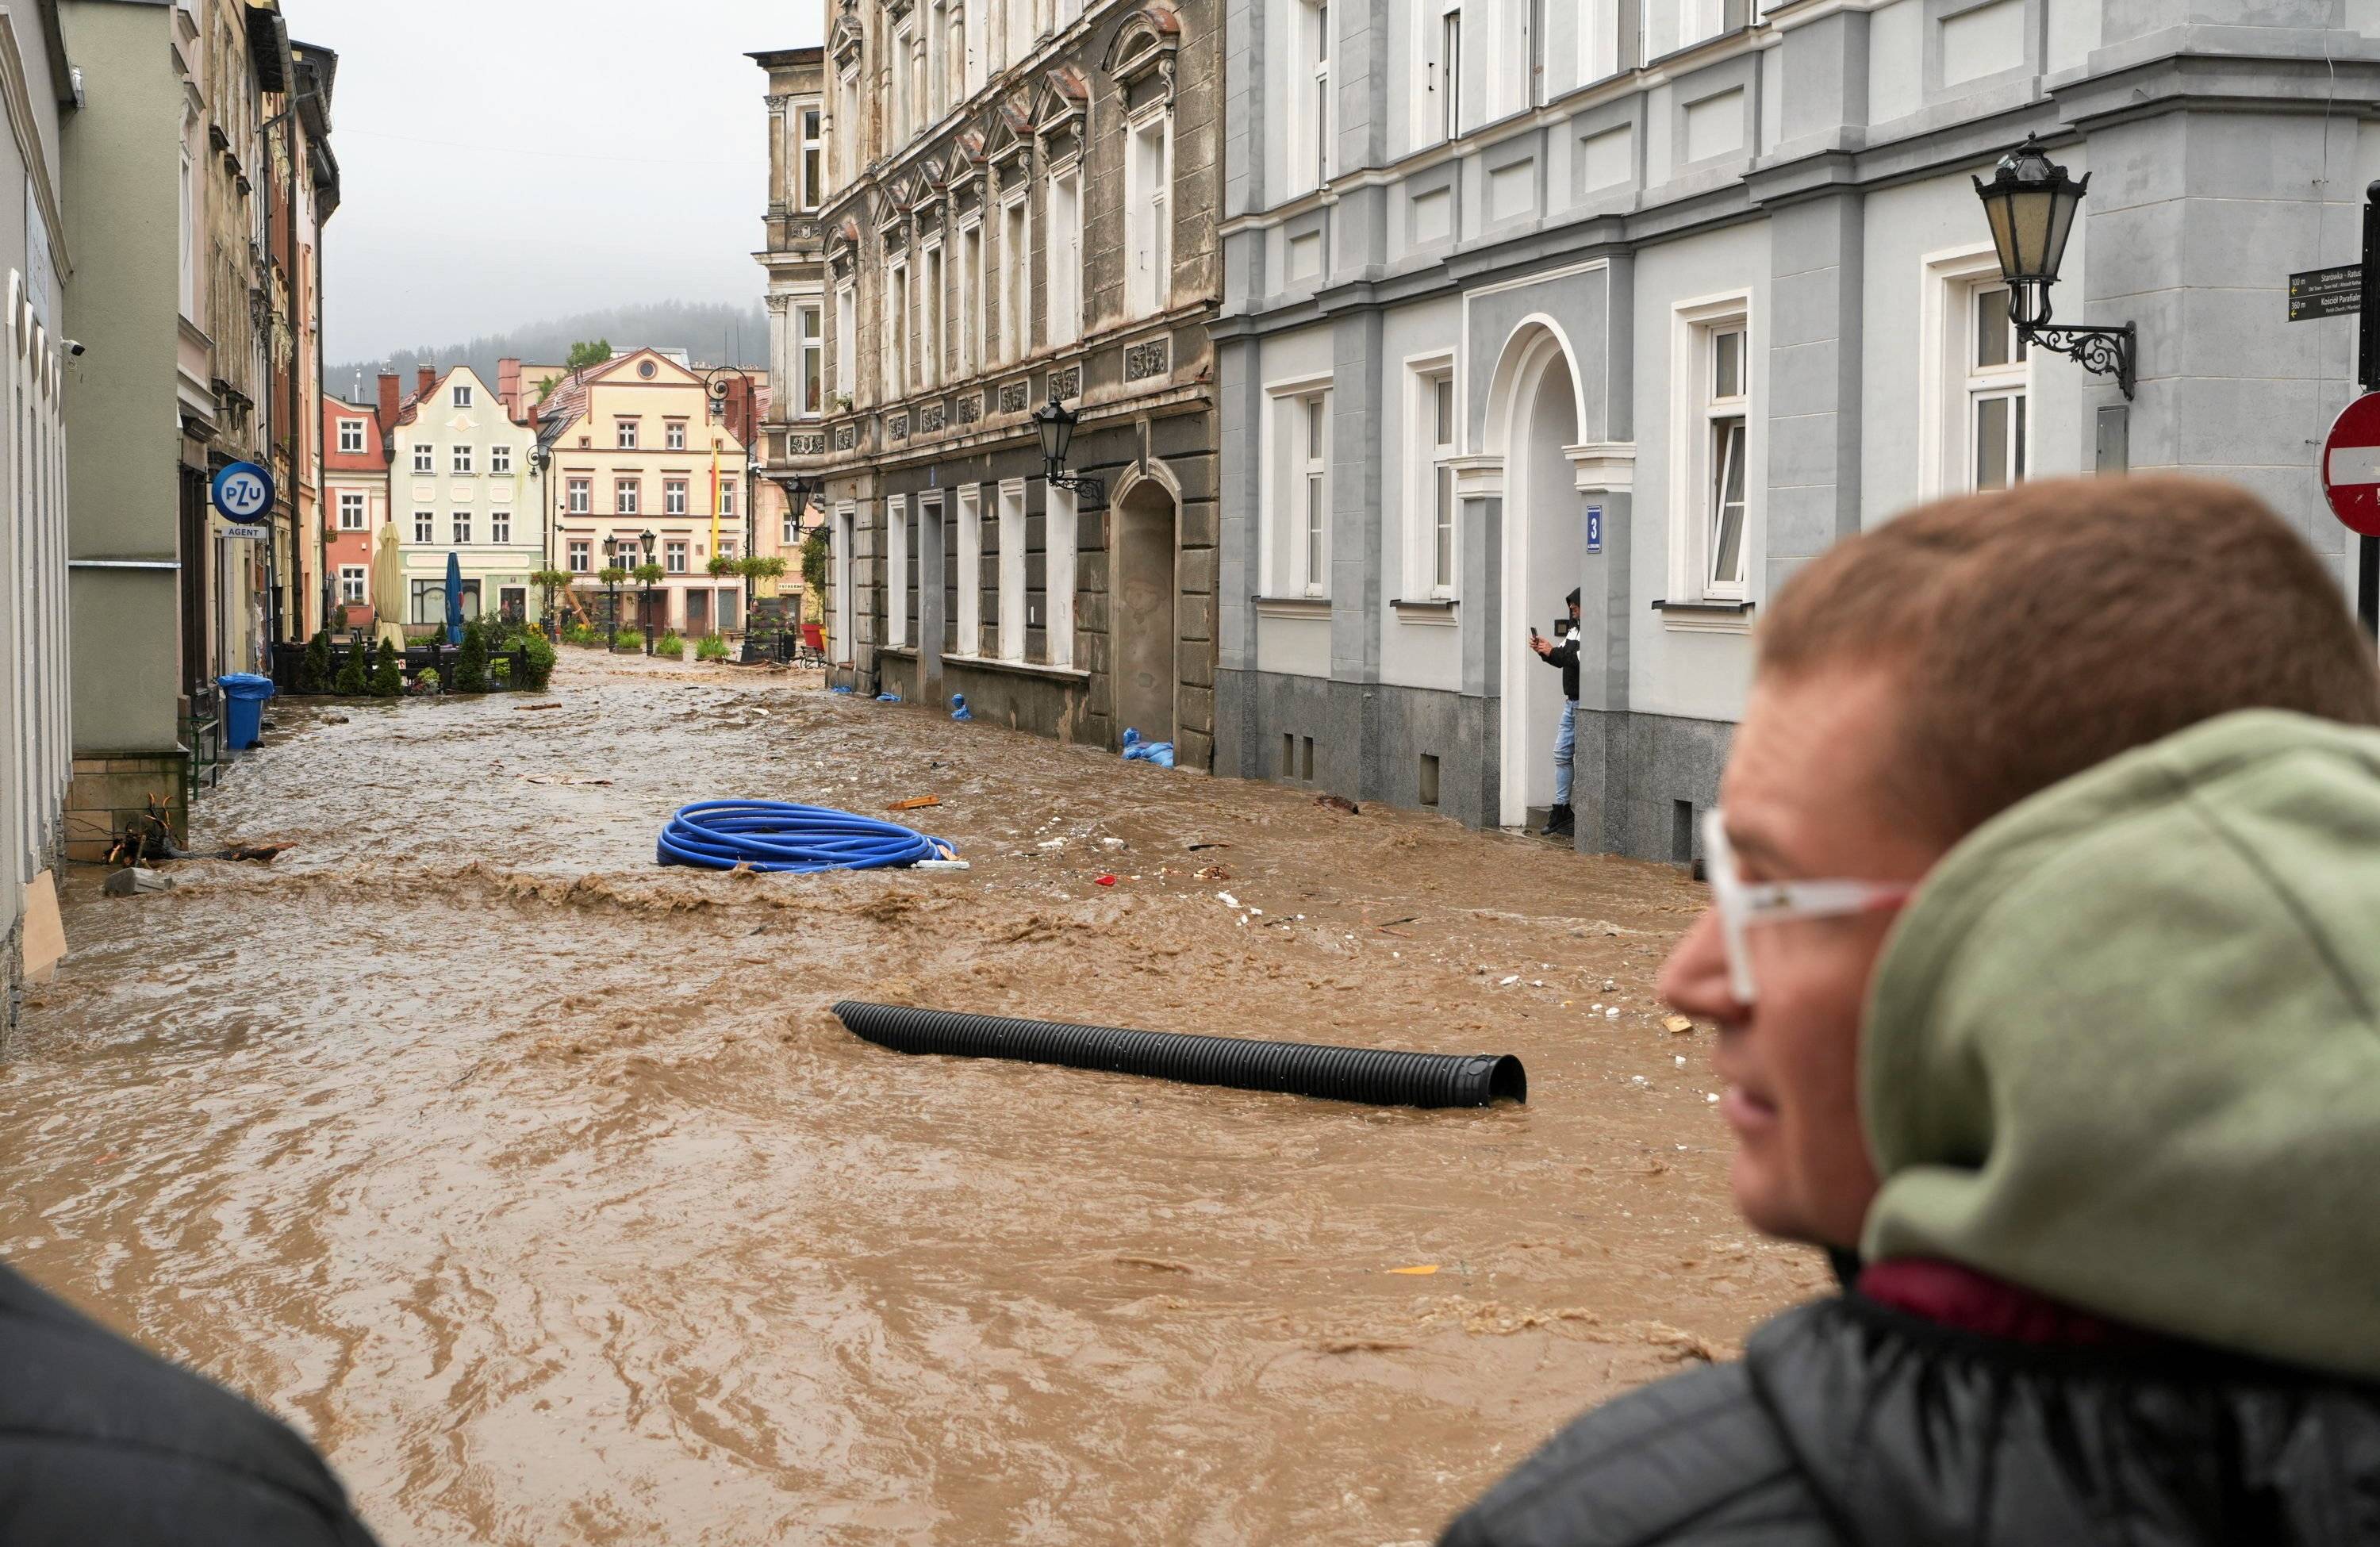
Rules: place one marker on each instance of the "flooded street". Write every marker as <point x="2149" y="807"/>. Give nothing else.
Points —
<point x="536" y="1184"/>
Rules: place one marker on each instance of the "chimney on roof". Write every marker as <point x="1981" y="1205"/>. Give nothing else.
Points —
<point x="508" y="388"/>
<point x="424" y="379"/>
<point x="389" y="384"/>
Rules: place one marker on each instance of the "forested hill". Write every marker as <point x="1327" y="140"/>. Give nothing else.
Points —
<point x="713" y="334"/>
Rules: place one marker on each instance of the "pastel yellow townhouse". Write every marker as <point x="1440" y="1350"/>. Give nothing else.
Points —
<point x="462" y="480"/>
<point x="634" y="443"/>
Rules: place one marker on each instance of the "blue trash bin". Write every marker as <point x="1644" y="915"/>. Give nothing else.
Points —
<point x="244" y="695"/>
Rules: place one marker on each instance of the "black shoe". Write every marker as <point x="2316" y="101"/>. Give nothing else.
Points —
<point x="1559" y="823"/>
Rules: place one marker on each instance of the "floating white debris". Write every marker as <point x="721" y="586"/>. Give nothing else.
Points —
<point x="1609" y="985"/>
<point x="1681" y="1060"/>
<point x="1227" y="899"/>
<point x="1712" y="1098"/>
<point x="1110" y="843"/>
<point x="1611" y="1014"/>
<point x="1508" y="983"/>
<point x="1256" y="913"/>
<point x="1537" y="983"/>
<point x="1638" y="1080"/>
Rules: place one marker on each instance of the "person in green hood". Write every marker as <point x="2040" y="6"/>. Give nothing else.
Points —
<point x="2044" y="952"/>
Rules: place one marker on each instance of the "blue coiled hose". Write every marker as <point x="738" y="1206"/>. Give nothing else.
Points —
<point x="779" y="836"/>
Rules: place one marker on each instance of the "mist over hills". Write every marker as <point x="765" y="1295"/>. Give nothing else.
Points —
<point x="714" y="333"/>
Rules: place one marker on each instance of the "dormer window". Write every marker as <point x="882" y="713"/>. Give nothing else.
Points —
<point x="462" y="395"/>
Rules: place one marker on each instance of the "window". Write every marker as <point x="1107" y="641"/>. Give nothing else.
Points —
<point x="674" y="497"/>
<point x="1727" y="366"/>
<point x="1013" y="615"/>
<point x="1598" y="41"/>
<point x="1015" y="275"/>
<point x="793" y="532"/>
<point x="846" y="117"/>
<point x="1670" y="25"/>
<point x="1020" y="28"/>
<point x="970" y="571"/>
<point x="500" y="527"/>
<point x="1148" y="221"/>
<point x="1997" y="372"/>
<point x="430" y="601"/>
<point x="499" y="459"/>
<point x="1450" y="70"/>
<point x="188" y="255"/>
<point x="625" y="434"/>
<point x="726" y="547"/>
<point x="462" y="395"/>
<point x="351" y="582"/>
<point x="808" y="362"/>
<point x="674" y="435"/>
<point x="896" y="333"/>
<point x="1311" y="152"/>
<point x="421" y="525"/>
<point x="1059" y="544"/>
<point x="727" y="496"/>
<point x="582" y="555"/>
<point x="968" y="320"/>
<point x="1314" y="494"/>
<point x="1065" y="257"/>
<point x="932" y="346"/>
<point x="462" y="458"/>
<point x="813" y="147"/>
<point x="351" y="436"/>
<point x="462" y="527"/>
<point x="896" y="564"/>
<point x="1532" y="17"/>
<point x="920" y="87"/>
<point x="1437" y="63"/>
<point x="581" y="494"/>
<point x="623" y="496"/>
<point x="351" y="510"/>
<point x="1430" y="488"/>
<point x="674" y="556"/>
<point x="846" y="329"/>
<point x="425" y="458"/>
<point x="903" y="84"/>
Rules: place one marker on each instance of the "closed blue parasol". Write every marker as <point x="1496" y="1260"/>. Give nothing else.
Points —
<point x="454" y="597"/>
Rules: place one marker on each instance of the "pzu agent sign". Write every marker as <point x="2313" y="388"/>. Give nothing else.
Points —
<point x="243" y="492"/>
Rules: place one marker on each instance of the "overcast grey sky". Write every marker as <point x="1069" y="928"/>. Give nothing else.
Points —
<point x="503" y="161"/>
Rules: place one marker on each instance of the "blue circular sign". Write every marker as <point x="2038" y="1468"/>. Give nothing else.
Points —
<point x="243" y="490"/>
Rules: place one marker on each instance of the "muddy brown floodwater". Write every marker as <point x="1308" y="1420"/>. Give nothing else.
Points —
<point x="537" y="1185"/>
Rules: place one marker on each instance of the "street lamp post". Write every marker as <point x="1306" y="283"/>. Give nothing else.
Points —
<point x="539" y="457"/>
<point x="2031" y="202"/>
<point x="1056" y="423"/>
<point x="797" y="498"/>
<point x="612" y="589"/>
<point x="651" y="548"/>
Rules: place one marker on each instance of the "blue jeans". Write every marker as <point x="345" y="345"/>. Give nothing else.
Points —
<point x="1565" y="746"/>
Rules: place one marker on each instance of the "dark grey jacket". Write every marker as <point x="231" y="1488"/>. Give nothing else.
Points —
<point x="103" y="1442"/>
<point x="1849" y="1422"/>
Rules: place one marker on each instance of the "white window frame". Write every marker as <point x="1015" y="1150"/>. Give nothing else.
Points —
<point x="970" y="575"/>
<point x="626" y="433"/>
<point x="1310" y="455"/>
<point x="579" y="494"/>
<point x="674" y="497"/>
<point x="1148" y="212"/>
<point x="846" y="344"/>
<point x="460" y="527"/>
<point x="811" y="117"/>
<point x="352" y="503"/>
<point x="500" y="528"/>
<point x="842" y="567"/>
<point x="462" y="458"/>
<point x="580" y="554"/>
<point x="462" y="395"/>
<point x="1020" y="28"/>
<point x="1280" y="559"/>
<point x="351" y="436"/>
<point x="903" y="111"/>
<point x="425" y="458"/>
<point x="1061" y="541"/>
<point x="1016" y="561"/>
<point x="500" y="461"/>
<point x="1017" y="271"/>
<point x="352" y="583"/>
<point x="1429" y="479"/>
<point x="847" y="120"/>
<point x="1598" y="41"/>
<point x="933" y="292"/>
<point x="726" y="494"/>
<point x="1695" y="324"/>
<point x="897" y="570"/>
<point x="672" y="436"/>
<point x="1312" y="155"/>
<point x="896" y="331"/>
<point x="425" y="526"/>
<point x="1948" y="381"/>
<point x="1436" y="94"/>
<point x="627" y="494"/>
<point x="968" y="322"/>
<point x="809" y="361"/>
<point x="1062" y="280"/>
<point x="674" y="556"/>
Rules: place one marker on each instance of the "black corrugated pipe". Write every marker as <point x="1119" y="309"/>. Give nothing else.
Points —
<point x="1344" y="1074"/>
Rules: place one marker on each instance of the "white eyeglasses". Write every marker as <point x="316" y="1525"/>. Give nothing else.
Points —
<point x="1741" y="905"/>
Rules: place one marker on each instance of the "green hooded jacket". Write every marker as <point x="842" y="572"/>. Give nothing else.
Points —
<point x="2122" y="1048"/>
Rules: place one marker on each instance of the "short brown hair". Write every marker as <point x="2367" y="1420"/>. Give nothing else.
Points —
<point x="2041" y="631"/>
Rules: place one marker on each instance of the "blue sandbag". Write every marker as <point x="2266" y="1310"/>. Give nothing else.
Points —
<point x="887" y="698"/>
<point x="959" y="708"/>
<point x="1137" y="751"/>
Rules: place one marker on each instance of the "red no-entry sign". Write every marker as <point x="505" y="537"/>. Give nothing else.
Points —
<point x="2351" y="465"/>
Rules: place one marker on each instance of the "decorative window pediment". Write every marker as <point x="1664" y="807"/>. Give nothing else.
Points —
<point x="1145" y="46"/>
<point x="1057" y="105"/>
<point x="1007" y="133"/>
<point x="847" y="41"/>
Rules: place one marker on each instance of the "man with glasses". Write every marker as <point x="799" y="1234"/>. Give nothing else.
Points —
<point x="2045" y="956"/>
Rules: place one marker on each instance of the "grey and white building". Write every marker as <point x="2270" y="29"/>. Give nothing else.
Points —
<point x="1660" y="298"/>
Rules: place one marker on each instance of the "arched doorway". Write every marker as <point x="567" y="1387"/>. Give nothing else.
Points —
<point x="1532" y="419"/>
<point x="1146" y="544"/>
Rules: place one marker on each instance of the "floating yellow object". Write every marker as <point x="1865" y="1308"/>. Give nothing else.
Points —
<point x="1422" y="1272"/>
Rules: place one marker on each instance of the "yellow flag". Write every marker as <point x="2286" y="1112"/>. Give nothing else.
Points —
<point x="715" y="496"/>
